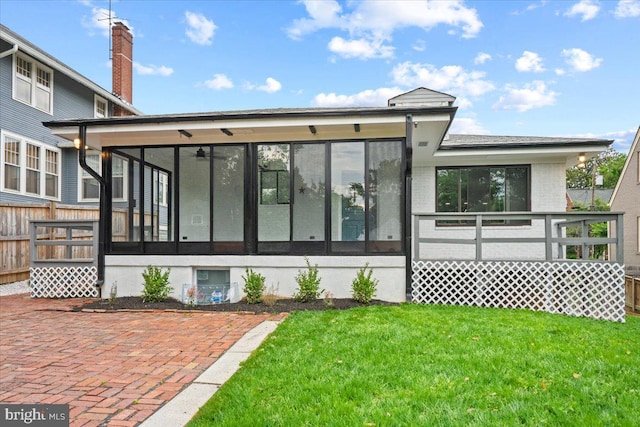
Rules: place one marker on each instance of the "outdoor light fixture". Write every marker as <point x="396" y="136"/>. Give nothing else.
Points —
<point x="76" y="143"/>
<point x="185" y="133"/>
<point x="200" y="154"/>
<point x="313" y="129"/>
<point x="226" y="132"/>
<point x="582" y="158"/>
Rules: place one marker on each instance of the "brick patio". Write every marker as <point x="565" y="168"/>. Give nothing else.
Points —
<point x="113" y="369"/>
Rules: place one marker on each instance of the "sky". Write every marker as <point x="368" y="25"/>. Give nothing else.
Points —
<point x="542" y="68"/>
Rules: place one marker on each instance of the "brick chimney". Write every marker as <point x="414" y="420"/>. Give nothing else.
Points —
<point x="122" y="65"/>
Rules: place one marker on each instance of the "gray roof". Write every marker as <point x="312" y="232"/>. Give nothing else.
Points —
<point x="455" y="142"/>
<point x="583" y="195"/>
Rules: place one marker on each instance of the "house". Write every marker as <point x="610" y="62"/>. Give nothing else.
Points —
<point x="585" y="197"/>
<point x="626" y="198"/>
<point x="35" y="87"/>
<point x="211" y="194"/>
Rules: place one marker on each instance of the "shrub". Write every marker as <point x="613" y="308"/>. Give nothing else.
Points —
<point x="270" y="296"/>
<point x="253" y="286"/>
<point x="156" y="284"/>
<point x="308" y="283"/>
<point x="363" y="287"/>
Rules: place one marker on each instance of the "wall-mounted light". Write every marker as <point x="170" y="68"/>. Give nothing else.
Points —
<point x="582" y="158"/>
<point x="76" y="143"/>
<point x="184" y="133"/>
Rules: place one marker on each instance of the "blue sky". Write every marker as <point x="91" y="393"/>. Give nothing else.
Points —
<point x="543" y="68"/>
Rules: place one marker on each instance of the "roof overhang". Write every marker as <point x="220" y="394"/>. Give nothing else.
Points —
<point x="258" y="126"/>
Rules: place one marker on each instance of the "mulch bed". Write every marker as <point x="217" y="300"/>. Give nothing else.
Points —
<point x="279" y="306"/>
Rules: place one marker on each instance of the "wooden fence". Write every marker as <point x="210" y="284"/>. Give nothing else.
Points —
<point x="14" y="232"/>
<point x="632" y="293"/>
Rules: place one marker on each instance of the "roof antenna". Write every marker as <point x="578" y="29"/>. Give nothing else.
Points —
<point x="110" y="19"/>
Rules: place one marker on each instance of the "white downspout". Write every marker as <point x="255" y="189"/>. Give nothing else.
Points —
<point x="11" y="51"/>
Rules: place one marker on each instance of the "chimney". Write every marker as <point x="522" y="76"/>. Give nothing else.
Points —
<point x="122" y="65"/>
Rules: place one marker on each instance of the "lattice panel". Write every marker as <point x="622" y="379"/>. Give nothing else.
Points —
<point x="64" y="282"/>
<point x="585" y="289"/>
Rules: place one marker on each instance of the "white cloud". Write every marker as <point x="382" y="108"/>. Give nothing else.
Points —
<point x="362" y="49"/>
<point x="531" y="95"/>
<point x="376" y="21"/>
<point x="152" y="69"/>
<point x="99" y="21"/>
<point x="419" y="46"/>
<point x="219" y="82"/>
<point x="529" y="61"/>
<point x="467" y="126"/>
<point x="622" y="139"/>
<point x="581" y="60"/>
<point x="587" y="9"/>
<point x="627" y="9"/>
<point x="560" y="72"/>
<point x="481" y="58"/>
<point x="530" y="7"/>
<point x="463" y="103"/>
<point x="366" y="98"/>
<point x="271" y="86"/>
<point x="450" y="78"/>
<point x="200" y="30"/>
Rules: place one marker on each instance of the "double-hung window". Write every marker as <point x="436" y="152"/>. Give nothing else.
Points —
<point x="29" y="167"/>
<point x="89" y="189"/>
<point x="33" y="83"/>
<point x="100" y="107"/>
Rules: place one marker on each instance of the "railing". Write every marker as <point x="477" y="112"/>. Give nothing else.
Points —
<point x="64" y="258"/>
<point x="553" y="231"/>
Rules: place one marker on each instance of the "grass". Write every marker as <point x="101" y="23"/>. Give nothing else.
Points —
<point x="436" y="366"/>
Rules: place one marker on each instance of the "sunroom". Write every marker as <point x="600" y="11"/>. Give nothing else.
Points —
<point x="434" y="215"/>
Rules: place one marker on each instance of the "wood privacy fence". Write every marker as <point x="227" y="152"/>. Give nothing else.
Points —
<point x="14" y="232"/>
<point x="632" y="294"/>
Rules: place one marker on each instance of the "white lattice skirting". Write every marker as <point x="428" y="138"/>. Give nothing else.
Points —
<point x="64" y="282"/>
<point x="586" y="289"/>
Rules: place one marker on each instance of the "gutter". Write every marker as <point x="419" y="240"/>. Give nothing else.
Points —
<point x="82" y="135"/>
<point x="11" y="51"/>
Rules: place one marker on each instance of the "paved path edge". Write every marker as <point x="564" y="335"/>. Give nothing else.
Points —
<point x="179" y="410"/>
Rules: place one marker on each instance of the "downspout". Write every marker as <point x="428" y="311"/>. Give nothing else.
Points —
<point x="82" y="135"/>
<point x="407" y="203"/>
<point x="11" y="51"/>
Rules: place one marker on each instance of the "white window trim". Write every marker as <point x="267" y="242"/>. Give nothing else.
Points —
<point x="97" y="98"/>
<point x="23" y="166"/>
<point x="99" y="170"/>
<point x="34" y="82"/>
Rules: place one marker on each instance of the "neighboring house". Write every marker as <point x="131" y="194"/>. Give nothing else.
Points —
<point x="35" y="87"/>
<point x="583" y="197"/>
<point x="626" y="198"/>
<point x="345" y="187"/>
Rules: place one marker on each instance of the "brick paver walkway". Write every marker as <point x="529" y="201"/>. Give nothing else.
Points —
<point x="112" y="369"/>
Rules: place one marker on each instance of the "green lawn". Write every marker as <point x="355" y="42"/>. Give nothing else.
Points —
<point x="435" y="365"/>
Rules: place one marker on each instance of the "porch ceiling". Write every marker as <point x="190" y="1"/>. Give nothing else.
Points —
<point x="255" y="130"/>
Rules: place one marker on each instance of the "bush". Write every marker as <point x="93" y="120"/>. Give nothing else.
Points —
<point x="308" y="284"/>
<point x="253" y="286"/>
<point x="363" y="287"/>
<point x="156" y="284"/>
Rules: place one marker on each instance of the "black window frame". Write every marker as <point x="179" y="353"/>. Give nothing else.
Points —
<point x="449" y="223"/>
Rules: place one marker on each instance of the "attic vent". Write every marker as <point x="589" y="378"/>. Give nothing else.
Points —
<point x="423" y="143"/>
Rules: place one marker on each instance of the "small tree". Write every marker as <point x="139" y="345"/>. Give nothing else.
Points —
<point x="308" y="283"/>
<point x="363" y="287"/>
<point x="156" y="284"/>
<point x="253" y="286"/>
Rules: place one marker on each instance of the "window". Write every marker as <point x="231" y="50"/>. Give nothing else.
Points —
<point x="30" y="167"/>
<point x="161" y="187"/>
<point x="89" y="188"/>
<point x="33" y="83"/>
<point x="483" y="189"/>
<point x="100" y="107"/>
